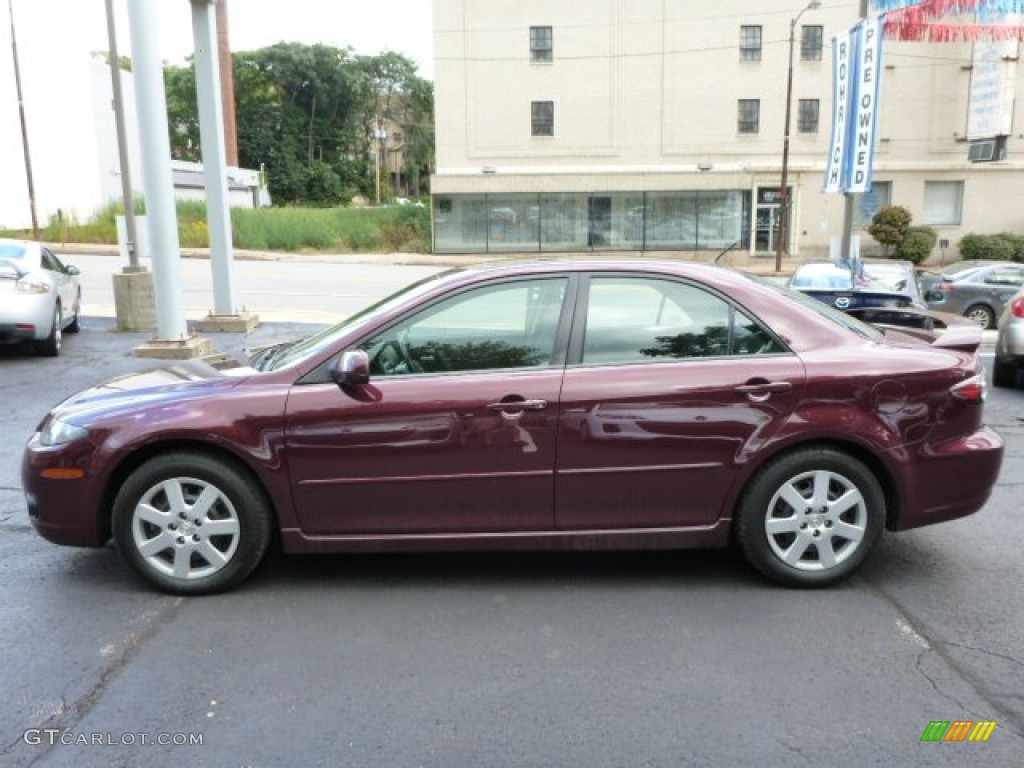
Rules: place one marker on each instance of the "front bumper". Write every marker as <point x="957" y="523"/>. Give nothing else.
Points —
<point x="63" y="510"/>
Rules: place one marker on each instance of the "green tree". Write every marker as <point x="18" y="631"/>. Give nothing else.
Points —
<point x="307" y="114"/>
<point x="889" y="226"/>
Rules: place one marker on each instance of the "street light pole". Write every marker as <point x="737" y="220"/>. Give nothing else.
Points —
<point x="782" y="246"/>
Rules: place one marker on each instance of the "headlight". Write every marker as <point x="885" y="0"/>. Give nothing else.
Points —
<point x="57" y="432"/>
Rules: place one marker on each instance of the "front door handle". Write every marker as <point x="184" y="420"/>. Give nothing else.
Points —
<point x="518" y="405"/>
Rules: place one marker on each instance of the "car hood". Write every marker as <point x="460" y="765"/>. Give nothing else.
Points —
<point x="176" y="383"/>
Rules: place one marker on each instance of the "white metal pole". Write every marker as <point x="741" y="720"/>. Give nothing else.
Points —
<point x="158" y="180"/>
<point x="215" y="167"/>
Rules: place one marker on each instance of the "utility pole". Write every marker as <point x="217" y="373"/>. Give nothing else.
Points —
<point x="848" y="210"/>
<point x="227" y="84"/>
<point x="24" y="130"/>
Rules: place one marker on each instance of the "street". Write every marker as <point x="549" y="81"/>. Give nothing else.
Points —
<point x="477" y="660"/>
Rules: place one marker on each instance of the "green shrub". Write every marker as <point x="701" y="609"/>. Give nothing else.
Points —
<point x="991" y="247"/>
<point x="917" y="245"/>
<point x="1016" y="242"/>
<point x="889" y="226"/>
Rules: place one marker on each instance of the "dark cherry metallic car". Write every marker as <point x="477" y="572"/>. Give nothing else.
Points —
<point x="549" y="406"/>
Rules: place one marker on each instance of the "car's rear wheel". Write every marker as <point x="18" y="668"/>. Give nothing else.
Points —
<point x="1003" y="374"/>
<point x="191" y="524"/>
<point x="810" y="518"/>
<point x="50" y="346"/>
<point x="982" y="315"/>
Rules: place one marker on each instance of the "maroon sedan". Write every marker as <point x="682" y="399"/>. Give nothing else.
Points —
<point x="546" y="406"/>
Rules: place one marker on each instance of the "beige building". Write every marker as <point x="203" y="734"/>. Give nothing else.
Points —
<point x="658" y="125"/>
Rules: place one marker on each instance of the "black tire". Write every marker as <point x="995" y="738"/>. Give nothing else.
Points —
<point x="982" y="315"/>
<point x="815" y="531"/>
<point x="220" y="495"/>
<point x="1003" y="374"/>
<point x="50" y="346"/>
<point x="73" y="326"/>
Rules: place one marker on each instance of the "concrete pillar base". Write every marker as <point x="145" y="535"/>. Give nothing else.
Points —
<point x="243" y="322"/>
<point x="134" y="301"/>
<point x="175" y="349"/>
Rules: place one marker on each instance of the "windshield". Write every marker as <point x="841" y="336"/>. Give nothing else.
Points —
<point x="292" y="352"/>
<point x="830" y="313"/>
<point x="828" y="276"/>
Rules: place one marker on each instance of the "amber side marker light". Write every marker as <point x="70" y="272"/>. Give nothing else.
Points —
<point x="63" y="474"/>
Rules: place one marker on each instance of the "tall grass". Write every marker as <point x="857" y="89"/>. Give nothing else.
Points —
<point x="340" y="230"/>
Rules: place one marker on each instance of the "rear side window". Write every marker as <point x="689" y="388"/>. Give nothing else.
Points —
<point x="635" y="320"/>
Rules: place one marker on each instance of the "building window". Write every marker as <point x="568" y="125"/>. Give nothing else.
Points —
<point x="943" y="202"/>
<point x="807" y="117"/>
<point x="749" y="120"/>
<point x="750" y="43"/>
<point x="867" y="204"/>
<point x="541" y="44"/>
<point x="542" y="118"/>
<point x="810" y="42"/>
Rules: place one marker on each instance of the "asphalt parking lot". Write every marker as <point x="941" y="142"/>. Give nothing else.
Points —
<point x="598" y="659"/>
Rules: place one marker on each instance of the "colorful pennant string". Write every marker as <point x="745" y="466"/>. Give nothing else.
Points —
<point x="915" y="20"/>
<point x="936" y="9"/>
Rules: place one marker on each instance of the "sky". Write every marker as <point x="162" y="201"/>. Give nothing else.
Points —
<point x="69" y="27"/>
<point x="55" y="39"/>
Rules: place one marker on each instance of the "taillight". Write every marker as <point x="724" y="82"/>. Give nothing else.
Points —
<point x="972" y="390"/>
<point x="1017" y="307"/>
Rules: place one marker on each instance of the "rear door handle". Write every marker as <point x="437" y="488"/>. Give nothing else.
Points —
<point x="760" y="392"/>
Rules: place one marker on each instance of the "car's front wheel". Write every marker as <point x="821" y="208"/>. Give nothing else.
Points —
<point x="811" y="517"/>
<point x="74" y="326"/>
<point x="191" y="523"/>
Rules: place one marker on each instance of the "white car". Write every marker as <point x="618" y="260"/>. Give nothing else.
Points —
<point x="40" y="298"/>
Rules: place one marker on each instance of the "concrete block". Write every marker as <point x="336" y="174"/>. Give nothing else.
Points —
<point x="243" y="322"/>
<point x="134" y="301"/>
<point x="175" y="349"/>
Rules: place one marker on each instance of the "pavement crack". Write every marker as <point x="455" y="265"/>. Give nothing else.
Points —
<point x="68" y="715"/>
<point x="1008" y="718"/>
<point x="919" y="666"/>
<point x="985" y="651"/>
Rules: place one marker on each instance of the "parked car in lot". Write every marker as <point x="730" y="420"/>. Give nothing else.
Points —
<point x="876" y="291"/>
<point x="40" y="298"/>
<point x="976" y="290"/>
<point x="551" y="405"/>
<point x="1009" y="354"/>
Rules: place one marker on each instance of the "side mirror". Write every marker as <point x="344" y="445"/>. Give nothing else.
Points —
<point x="933" y="296"/>
<point x="352" y="368"/>
<point x="71" y="269"/>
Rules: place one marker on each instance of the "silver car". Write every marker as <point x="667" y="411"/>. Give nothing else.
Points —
<point x="40" y="298"/>
<point x="1009" y="343"/>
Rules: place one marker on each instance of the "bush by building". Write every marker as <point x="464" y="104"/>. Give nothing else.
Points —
<point x="988" y="247"/>
<point x="917" y="244"/>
